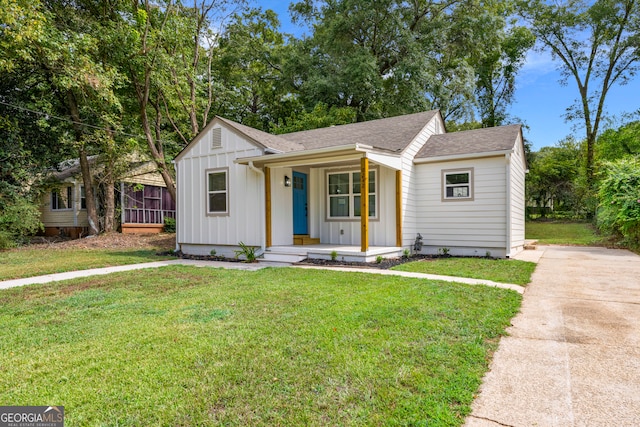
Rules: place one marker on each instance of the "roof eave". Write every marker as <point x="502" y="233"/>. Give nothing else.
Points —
<point x="313" y="156"/>
<point x="451" y="157"/>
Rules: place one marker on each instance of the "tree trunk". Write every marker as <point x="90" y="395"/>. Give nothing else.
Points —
<point x="92" y="211"/>
<point x="109" y="199"/>
<point x="87" y="179"/>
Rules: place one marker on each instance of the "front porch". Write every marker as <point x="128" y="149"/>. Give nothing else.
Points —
<point x="348" y="253"/>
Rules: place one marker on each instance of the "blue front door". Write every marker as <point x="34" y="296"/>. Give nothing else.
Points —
<point x="300" y="208"/>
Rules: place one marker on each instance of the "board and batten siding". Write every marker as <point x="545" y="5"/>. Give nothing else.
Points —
<point x="469" y="228"/>
<point x="517" y="174"/>
<point x="336" y="232"/>
<point x="410" y="199"/>
<point x="199" y="233"/>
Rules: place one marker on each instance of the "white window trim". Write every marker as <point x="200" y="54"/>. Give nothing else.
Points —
<point x="351" y="195"/>
<point x="69" y="190"/>
<point x="446" y="172"/>
<point x="80" y="197"/>
<point x="207" y="192"/>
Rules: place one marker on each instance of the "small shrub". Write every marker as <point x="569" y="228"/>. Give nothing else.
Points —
<point x="213" y="252"/>
<point x="249" y="252"/>
<point x="443" y="252"/>
<point x="334" y="255"/>
<point x="619" y="195"/>
<point x="169" y="225"/>
<point x="379" y="259"/>
<point x="18" y="221"/>
<point x="406" y="254"/>
<point x="487" y="254"/>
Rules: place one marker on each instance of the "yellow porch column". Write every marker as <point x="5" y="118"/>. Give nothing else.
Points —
<point x="364" y="204"/>
<point x="399" y="208"/>
<point x="267" y="197"/>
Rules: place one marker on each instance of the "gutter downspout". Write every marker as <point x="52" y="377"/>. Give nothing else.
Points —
<point x="263" y="237"/>
<point x="178" y="244"/>
<point x="508" y="198"/>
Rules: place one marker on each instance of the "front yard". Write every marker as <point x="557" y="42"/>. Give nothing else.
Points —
<point x="196" y="346"/>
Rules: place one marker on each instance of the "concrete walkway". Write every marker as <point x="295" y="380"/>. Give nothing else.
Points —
<point x="573" y="354"/>
<point x="242" y="266"/>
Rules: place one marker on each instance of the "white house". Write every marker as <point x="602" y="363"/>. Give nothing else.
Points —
<point x="301" y="194"/>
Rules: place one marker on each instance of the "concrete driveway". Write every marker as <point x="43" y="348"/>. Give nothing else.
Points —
<point x="573" y="354"/>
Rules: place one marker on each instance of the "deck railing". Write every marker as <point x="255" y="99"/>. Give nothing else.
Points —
<point x="147" y="216"/>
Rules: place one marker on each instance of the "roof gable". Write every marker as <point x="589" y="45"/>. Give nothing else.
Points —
<point x="477" y="141"/>
<point x="392" y="134"/>
<point x="263" y="140"/>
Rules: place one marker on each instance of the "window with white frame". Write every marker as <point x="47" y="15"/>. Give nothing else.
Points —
<point x="457" y="184"/>
<point x="62" y="199"/>
<point x="83" y="198"/>
<point x="217" y="192"/>
<point x="344" y="194"/>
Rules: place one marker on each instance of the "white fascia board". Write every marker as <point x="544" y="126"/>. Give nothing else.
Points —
<point x="297" y="155"/>
<point x="392" y="162"/>
<point x="462" y="156"/>
<point x="323" y="155"/>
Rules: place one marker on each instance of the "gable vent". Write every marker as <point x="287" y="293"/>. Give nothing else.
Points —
<point x="216" y="138"/>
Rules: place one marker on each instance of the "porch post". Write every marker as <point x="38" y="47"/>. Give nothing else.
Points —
<point x="267" y="205"/>
<point x="364" y="204"/>
<point x="399" y="208"/>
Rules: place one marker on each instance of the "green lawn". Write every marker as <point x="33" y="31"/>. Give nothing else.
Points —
<point x="497" y="270"/>
<point x="36" y="262"/>
<point x="202" y="347"/>
<point x="562" y="233"/>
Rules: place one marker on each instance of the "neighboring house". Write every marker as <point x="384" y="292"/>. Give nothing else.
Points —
<point x="301" y="194"/>
<point x="141" y="197"/>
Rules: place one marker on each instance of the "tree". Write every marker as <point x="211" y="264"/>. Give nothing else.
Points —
<point x="497" y="63"/>
<point x="169" y="68"/>
<point x="386" y="57"/>
<point x="614" y="144"/>
<point x="553" y="180"/>
<point x="596" y="45"/>
<point x="249" y="62"/>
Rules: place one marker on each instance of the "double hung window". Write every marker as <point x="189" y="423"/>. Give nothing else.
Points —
<point x="217" y="192"/>
<point x="344" y="194"/>
<point x="62" y="199"/>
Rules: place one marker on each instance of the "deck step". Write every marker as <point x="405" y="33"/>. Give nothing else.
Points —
<point x="304" y="239"/>
<point x="282" y="257"/>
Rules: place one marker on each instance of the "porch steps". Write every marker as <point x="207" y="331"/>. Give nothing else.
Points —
<point x="304" y="239"/>
<point x="530" y="244"/>
<point x="282" y="256"/>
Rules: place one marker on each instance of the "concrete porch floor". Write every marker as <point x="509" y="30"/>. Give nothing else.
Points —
<point x="347" y="253"/>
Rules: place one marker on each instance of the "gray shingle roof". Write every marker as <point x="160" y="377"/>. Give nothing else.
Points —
<point x="475" y="141"/>
<point x="265" y="139"/>
<point x="393" y="133"/>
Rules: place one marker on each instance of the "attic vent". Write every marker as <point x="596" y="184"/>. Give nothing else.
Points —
<point x="216" y="138"/>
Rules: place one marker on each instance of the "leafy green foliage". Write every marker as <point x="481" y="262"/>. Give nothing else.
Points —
<point x="619" y="195"/>
<point x="169" y="225"/>
<point x="614" y="144"/>
<point x="247" y="252"/>
<point x="321" y="116"/>
<point x="554" y="180"/>
<point x="19" y="219"/>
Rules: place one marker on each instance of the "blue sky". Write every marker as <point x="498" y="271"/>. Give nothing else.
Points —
<point x="540" y="100"/>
